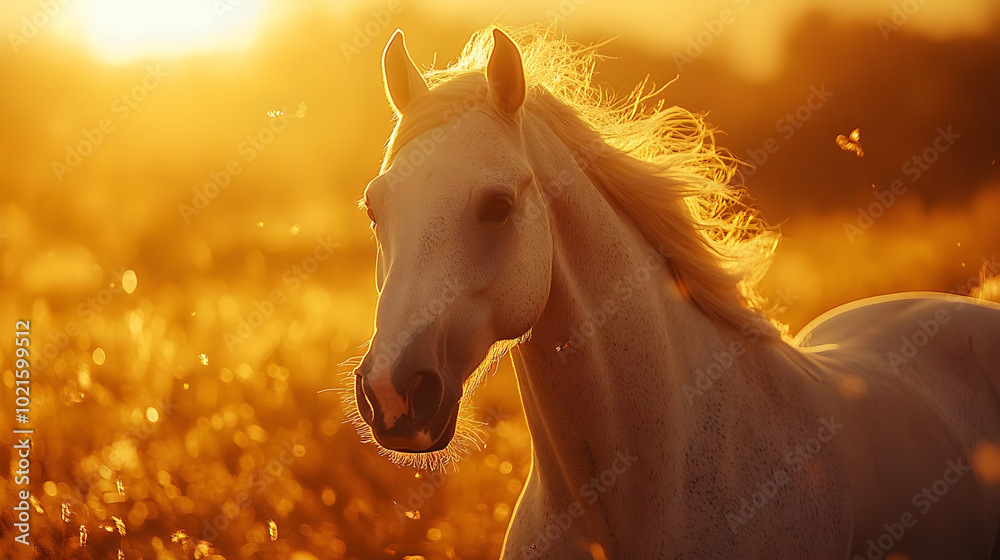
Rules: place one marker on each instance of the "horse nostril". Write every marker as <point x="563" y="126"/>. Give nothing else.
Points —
<point x="364" y="406"/>
<point x="424" y="396"/>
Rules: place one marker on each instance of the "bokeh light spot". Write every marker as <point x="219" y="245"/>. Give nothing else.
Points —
<point x="129" y="281"/>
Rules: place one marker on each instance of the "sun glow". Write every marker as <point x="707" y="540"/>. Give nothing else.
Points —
<point x="120" y="31"/>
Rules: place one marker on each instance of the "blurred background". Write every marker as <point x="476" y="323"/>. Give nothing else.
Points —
<point x="178" y="182"/>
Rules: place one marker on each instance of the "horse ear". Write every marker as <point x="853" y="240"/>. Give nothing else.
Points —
<point x="505" y="74"/>
<point x="403" y="82"/>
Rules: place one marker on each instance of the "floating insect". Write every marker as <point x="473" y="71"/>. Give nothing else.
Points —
<point x="564" y="346"/>
<point x="851" y="143"/>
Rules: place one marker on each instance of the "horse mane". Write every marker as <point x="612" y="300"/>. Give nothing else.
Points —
<point x="660" y="164"/>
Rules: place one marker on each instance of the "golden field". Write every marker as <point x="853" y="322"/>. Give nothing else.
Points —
<point x="178" y="222"/>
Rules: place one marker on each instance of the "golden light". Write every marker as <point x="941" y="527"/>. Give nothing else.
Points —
<point x="119" y="31"/>
<point x="226" y="281"/>
<point x="129" y="281"/>
<point x="986" y="461"/>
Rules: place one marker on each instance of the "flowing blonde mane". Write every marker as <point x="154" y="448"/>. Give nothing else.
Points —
<point x="660" y="164"/>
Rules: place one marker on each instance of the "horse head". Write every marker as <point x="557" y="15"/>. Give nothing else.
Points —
<point x="460" y="266"/>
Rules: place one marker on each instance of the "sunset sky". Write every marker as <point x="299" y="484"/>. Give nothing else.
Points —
<point x="119" y="31"/>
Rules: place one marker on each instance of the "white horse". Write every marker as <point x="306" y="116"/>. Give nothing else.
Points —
<point x="669" y="417"/>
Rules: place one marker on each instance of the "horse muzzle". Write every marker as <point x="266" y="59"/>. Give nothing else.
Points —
<point x="407" y="411"/>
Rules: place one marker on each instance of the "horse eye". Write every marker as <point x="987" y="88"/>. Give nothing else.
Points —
<point x="371" y="215"/>
<point x="496" y="210"/>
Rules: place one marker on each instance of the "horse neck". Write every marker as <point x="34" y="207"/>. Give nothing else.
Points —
<point x="626" y="338"/>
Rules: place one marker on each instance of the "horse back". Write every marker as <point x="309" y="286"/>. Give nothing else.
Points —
<point x="930" y="368"/>
<point x="909" y="337"/>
